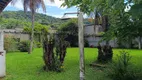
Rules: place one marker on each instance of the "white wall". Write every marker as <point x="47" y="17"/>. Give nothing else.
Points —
<point x="93" y="40"/>
<point x="21" y="36"/>
<point x="89" y="29"/>
<point x="2" y="56"/>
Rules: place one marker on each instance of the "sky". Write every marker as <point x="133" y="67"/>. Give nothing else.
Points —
<point x="52" y="9"/>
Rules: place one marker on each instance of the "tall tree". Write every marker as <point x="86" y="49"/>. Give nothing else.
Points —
<point x="135" y="12"/>
<point x="33" y="5"/>
<point x="118" y="14"/>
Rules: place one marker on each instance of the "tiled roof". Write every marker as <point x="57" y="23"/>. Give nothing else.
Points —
<point x="3" y="4"/>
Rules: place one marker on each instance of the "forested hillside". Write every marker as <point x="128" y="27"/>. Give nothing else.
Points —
<point x="20" y="15"/>
<point x="13" y="19"/>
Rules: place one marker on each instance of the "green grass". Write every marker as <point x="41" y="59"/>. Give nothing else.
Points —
<point x="22" y="66"/>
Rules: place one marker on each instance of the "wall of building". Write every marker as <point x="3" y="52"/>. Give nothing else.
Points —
<point x="91" y="31"/>
<point x="20" y="36"/>
<point x="16" y="33"/>
<point x="93" y="41"/>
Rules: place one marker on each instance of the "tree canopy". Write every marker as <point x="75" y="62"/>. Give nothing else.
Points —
<point x="124" y="16"/>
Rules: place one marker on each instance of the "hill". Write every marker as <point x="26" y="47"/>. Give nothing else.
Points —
<point x="14" y="19"/>
<point x="21" y="15"/>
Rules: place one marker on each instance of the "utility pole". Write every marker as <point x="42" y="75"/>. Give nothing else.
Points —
<point x="81" y="45"/>
<point x="81" y="42"/>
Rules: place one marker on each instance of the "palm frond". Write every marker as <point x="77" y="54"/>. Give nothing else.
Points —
<point x="13" y="2"/>
<point x="33" y="5"/>
<point x="25" y="4"/>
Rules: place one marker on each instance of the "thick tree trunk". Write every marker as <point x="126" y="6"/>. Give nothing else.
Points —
<point x="48" y="55"/>
<point x="32" y="34"/>
<point x="63" y="48"/>
<point x="54" y="51"/>
<point x="105" y="26"/>
<point x="140" y="43"/>
<point x="105" y="23"/>
<point x="105" y="53"/>
<point x="45" y="55"/>
<point x="96" y="18"/>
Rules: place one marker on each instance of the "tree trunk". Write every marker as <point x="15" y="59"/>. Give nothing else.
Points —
<point x="45" y="55"/>
<point x="81" y="45"/>
<point x="54" y="60"/>
<point x="96" y="18"/>
<point x="32" y="34"/>
<point x="48" y="55"/>
<point x="105" y="53"/>
<point x="140" y="43"/>
<point x="105" y="26"/>
<point x="105" y="23"/>
<point x="63" y="48"/>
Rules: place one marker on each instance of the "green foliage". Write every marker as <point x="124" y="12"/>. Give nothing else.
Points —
<point x="136" y="10"/>
<point x="54" y="50"/>
<point x="122" y="24"/>
<point x="38" y="44"/>
<point x="24" y="46"/>
<point x="21" y="16"/>
<point x="18" y="19"/>
<point x="27" y="29"/>
<point x="84" y="5"/>
<point x="70" y="29"/>
<point x="38" y="28"/>
<point x="88" y="6"/>
<point x="10" y="44"/>
<point x="11" y="23"/>
<point x="122" y="69"/>
<point x="19" y="64"/>
<point x="101" y="33"/>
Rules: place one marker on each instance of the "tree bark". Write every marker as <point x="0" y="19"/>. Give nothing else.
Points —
<point x="81" y="45"/>
<point x="105" y="26"/>
<point x="32" y="34"/>
<point x="105" y="53"/>
<point x="96" y="18"/>
<point x="48" y="55"/>
<point x="45" y="54"/>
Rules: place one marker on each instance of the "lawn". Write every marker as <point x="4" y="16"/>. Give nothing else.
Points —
<point x="23" y="66"/>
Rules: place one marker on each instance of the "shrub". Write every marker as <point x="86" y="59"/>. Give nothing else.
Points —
<point x="122" y="69"/>
<point x="24" y="46"/>
<point x="38" y="44"/>
<point x="10" y="44"/>
<point x="70" y="28"/>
